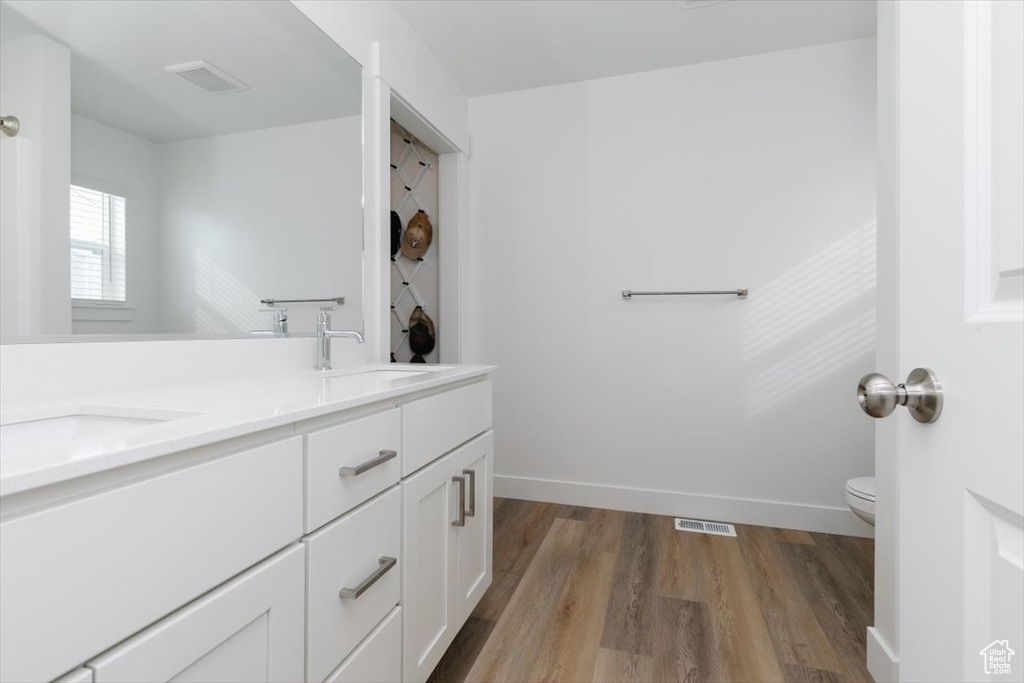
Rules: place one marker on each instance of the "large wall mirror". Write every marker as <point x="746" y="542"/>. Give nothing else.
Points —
<point x="176" y="165"/>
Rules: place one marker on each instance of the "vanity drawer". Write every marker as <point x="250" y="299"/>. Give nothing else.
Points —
<point x="434" y="425"/>
<point x="348" y="554"/>
<point x="363" y="447"/>
<point x="378" y="659"/>
<point x="77" y="578"/>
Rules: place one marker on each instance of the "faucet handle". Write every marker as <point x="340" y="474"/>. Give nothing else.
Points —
<point x="323" y="318"/>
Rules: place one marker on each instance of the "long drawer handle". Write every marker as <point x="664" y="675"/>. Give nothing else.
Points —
<point x="386" y="563"/>
<point x="460" y="519"/>
<point x="471" y="511"/>
<point x="381" y="458"/>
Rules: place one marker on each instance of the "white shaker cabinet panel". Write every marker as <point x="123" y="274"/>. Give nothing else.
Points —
<point x="474" y="461"/>
<point x="140" y="551"/>
<point x="434" y="425"/>
<point x="378" y="659"/>
<point x="349" y="464"/>
<point x="353" y="567"/>
<point x="79" y="675"/>
<point x="250" y="629"/>
<point x="430" y="618"/>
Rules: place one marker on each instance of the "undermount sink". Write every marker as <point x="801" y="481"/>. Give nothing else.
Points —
<point x="387" y="375"/>
<point x="58" y="427"/>
<point x="396" y="374"/>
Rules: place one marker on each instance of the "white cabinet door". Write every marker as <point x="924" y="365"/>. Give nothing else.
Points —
<point x="429" y="569"/>
<point x="250" y="629"/>
<point x="474" y="461"/>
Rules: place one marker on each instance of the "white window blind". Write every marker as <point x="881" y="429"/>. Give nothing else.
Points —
<point x="97" y="245"/>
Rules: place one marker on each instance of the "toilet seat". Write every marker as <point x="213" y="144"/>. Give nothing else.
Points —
<point x="862" y="487"/>
<point x="860" y="496"/>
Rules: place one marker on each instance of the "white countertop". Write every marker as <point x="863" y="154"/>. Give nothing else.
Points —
<point x="202" y="412"/>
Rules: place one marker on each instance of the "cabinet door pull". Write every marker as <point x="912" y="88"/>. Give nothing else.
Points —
<point x="471" y="511"/>
<point x="460" y="520"/>
<point x="381" y="458"/>
<point x="386" y="563"/>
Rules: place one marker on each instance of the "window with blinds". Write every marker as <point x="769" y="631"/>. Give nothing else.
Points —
<point x="97" y="245"/>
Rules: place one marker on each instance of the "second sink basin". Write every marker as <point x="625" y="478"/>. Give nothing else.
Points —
<point x="394" y="374"/>
<point x="58" y="427"/>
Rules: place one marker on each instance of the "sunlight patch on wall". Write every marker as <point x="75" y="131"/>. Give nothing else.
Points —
<point x="811" y="363"/>
<point x="815" y="288"/>
<point x="223" y="304"/>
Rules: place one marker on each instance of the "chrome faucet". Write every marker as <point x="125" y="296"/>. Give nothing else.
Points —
<point x="280" y="320"/>
<point x="324" y="334"/>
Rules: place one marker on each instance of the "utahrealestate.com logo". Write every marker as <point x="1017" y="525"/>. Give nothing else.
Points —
<point x="997" y="657"/>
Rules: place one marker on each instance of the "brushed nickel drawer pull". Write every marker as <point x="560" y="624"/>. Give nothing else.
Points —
<point x="460" y="520"/>
<point x="471" y="511"/>
<point x="386" y="563"/>
<point x="381" y="458"/>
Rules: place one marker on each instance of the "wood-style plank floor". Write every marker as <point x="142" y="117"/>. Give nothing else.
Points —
<point x="582" y="594"/>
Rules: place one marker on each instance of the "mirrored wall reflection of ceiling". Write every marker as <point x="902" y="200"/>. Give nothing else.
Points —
<point x="119" y="51"/>
<point x="492" y="46"/>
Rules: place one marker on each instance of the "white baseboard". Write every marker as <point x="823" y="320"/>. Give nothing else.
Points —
<point x="830" y="520"/>
<point x="883" y="665"/>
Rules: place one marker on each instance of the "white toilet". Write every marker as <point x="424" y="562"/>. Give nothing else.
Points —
<point x="860" y="496"/>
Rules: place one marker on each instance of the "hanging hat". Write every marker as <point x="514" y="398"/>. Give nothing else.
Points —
<point x="417" y="237"/>
<point x="421" y="332"/>
<point x="396" y="232"/>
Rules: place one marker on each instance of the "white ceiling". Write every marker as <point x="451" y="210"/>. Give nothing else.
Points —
<point x="492" y="46"/>
<point x="295" y="73"/>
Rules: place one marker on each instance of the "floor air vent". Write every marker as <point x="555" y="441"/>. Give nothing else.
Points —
<point x="701" y="527"/>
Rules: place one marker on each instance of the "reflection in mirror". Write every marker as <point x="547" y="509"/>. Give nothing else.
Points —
<point x="177" y="162"/>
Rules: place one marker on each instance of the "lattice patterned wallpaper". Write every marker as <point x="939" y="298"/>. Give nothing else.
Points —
<point x="413" y="187"/>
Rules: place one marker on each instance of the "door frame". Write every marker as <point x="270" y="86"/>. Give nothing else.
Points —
<point x="883" y="635"/>
<point x="452" y="188"/>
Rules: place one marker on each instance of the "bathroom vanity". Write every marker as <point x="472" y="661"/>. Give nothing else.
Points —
<point x="309" y="526"/>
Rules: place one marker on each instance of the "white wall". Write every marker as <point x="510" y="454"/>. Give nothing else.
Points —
<point x="110" y="160"/>
<point x="211" y="231"/>
<point x="273" y="213"/>
<point x="755" y="172"/>
<point x="35" y="74"/>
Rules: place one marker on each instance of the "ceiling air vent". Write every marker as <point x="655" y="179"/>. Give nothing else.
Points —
<point x="702" y="527"/>
<point x="208" y="77"/>
<point x="697" y="4"/>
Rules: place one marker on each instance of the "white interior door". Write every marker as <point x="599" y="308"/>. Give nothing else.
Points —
<point x="961" y="236"/>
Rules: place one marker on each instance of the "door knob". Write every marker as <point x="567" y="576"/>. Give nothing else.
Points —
<point x="921" y="394"/>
